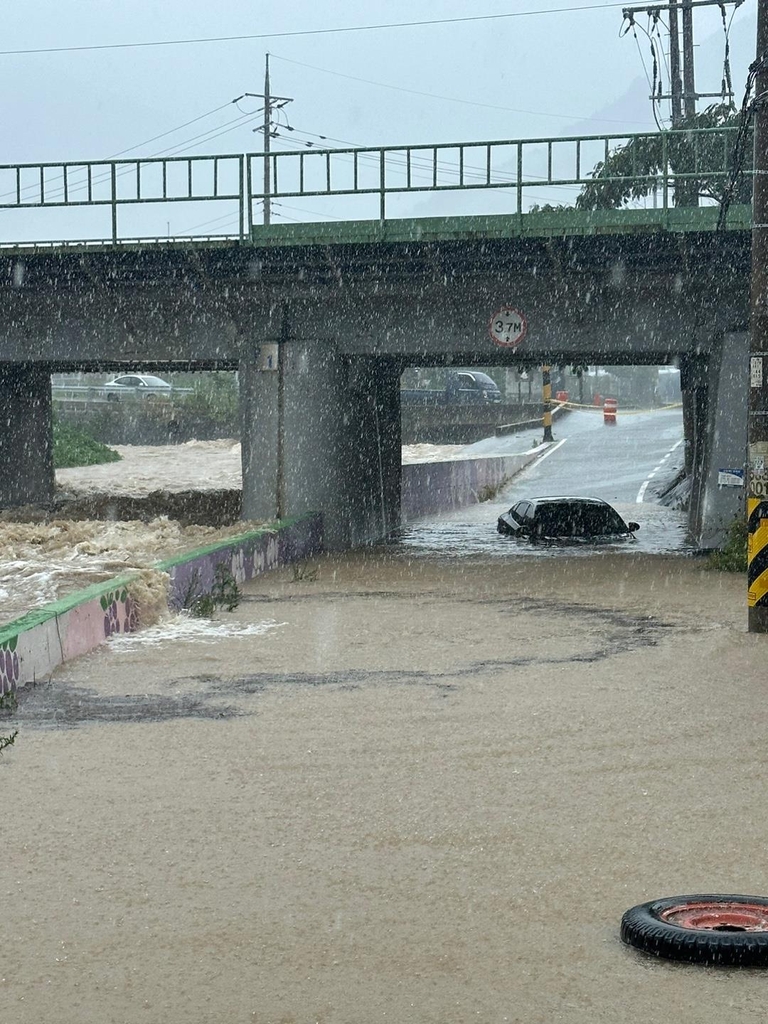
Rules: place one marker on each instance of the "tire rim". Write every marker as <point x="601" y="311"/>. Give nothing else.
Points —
<point x="714" y="916"/>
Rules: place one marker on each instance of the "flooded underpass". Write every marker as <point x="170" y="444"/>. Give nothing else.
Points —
<point x="626" y="465"/>
<point x="397" y="784"/>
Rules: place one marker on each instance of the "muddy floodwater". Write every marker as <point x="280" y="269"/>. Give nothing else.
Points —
<point x="411" y="789"/>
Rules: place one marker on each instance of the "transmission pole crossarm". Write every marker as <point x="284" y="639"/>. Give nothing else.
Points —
<point x="690" y="4"/>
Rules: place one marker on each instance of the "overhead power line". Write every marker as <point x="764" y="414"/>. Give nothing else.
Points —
<point x="310" y="31"/>
<point x="172" y="131"/>
<point x="453" y="99"/>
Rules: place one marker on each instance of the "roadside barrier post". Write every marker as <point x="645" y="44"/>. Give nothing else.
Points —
<point x="757" y="470"/>
<point x="546" y="393"/>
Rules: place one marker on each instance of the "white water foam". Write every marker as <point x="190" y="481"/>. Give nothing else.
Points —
<point x="186" y="628"/>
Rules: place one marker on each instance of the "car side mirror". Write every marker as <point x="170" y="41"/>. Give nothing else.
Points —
<point x="633" y="526"/>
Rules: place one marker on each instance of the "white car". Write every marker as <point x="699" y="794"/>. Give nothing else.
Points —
<point x="139" y="386"/>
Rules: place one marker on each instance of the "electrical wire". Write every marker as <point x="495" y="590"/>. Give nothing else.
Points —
<point x="651" y="85"/>
<point x="73" y="186"/>
<point x="171" y="131"/>
<point x="740" y="145"/>
<point x="451" y="99"/>
<point x="310" y="31"/>
<point x="422" y="169"/>
<point x="727" y="84"/>
<point x="423" y="163"/>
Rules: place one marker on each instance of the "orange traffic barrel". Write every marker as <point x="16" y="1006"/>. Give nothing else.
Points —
<point x="597" y="400"/>
<point x="561" y="396"/>
<point x="610" y="408"/>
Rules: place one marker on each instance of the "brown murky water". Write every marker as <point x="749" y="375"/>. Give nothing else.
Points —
<point x="411" y="790"/>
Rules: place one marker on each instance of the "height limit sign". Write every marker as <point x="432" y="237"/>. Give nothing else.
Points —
<point x="508" y="327"/>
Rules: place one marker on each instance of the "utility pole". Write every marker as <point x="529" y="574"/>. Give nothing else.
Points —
<point x="683" y="103"/>
<point x="689" y="77"/>
<point x="675" y="90"/>
<point x="267" y="137"/>
<point x="270" y="103"/>
<point x="757" y="468"/>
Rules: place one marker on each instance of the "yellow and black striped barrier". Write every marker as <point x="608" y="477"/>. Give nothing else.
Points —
<point x="546" y="394"/>
<point x="757" y="553"/>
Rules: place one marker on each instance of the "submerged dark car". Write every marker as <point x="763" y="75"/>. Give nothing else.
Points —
<point x="575" y="520"/>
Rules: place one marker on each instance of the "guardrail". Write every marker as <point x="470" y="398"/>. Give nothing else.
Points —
<point x="101" y="393"/>
<point x="118" y="184"/>
<point x="677" y="157"/>
<point x="658" y="163"/>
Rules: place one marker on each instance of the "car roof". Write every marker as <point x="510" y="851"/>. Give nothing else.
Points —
<point x="559" y="499"/>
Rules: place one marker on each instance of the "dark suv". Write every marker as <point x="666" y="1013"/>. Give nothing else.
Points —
<point x="471" y="386"/>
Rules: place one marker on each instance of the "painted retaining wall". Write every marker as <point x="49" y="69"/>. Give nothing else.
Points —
<point x="33" y="646"/>
<point x="430" y="487"/>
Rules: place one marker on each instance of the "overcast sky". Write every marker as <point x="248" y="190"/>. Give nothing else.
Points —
<point x="551" y="73"/>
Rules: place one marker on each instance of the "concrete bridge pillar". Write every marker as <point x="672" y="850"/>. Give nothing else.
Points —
<point x="26" y="435"/>
<point x="716" y="499"/>
<point x="321" y="431"/>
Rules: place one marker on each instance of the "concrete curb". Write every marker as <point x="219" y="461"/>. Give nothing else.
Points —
<point x="512" y="428"/>
<point x="430" y="487"/>
<point x="33" y="646"/>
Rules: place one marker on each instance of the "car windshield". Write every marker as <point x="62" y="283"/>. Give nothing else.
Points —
<point x="577" y="520"/>
<point x="484" y="380"/>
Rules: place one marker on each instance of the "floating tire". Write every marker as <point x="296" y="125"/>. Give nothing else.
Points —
<point x="726" y="930"/>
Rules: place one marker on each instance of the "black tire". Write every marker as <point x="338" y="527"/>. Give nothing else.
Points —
<point x="727" y="944"/>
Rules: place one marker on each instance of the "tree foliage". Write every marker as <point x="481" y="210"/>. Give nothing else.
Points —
<point x="634" y="170"/>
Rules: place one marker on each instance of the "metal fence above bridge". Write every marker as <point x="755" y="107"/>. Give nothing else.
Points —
<point x="120" y="201"/>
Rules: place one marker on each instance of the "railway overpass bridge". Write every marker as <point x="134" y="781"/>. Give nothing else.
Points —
<point x="321" y="318"/>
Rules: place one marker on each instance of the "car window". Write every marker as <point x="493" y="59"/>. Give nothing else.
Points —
<point x="578" y="520"/>
<point x="126" y="381"/>
<point x="517" y="512"/>
<point x="155" y="382"/>
<point x="466" y="380"/>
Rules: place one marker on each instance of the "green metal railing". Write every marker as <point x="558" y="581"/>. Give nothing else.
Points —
<point x="519" y="165"/>
<point x="657" y="164"/>
<point x="123" y="183"/>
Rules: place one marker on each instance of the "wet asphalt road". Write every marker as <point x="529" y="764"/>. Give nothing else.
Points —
<point x="624" y="464"/>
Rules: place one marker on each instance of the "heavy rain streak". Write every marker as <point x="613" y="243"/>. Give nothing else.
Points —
<point x="383" y="571"/>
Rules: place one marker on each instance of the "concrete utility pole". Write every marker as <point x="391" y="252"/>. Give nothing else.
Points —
<point x="267" y="137"/>
<point x="689" y="76"/>
<point x="757" y="483"/>
<point x="270" y="103"/>
<point x="676" y="88"/>
<point x="683" y="102"/>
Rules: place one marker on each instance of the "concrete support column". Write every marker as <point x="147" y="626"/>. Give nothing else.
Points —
<point x="322" y="432"/>
<point x="26" y="435"/>
<point x="687" y="398"/>
<point x="716" y="502"/>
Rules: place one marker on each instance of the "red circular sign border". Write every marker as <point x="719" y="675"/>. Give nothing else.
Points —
<point x="503" y="344"/>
